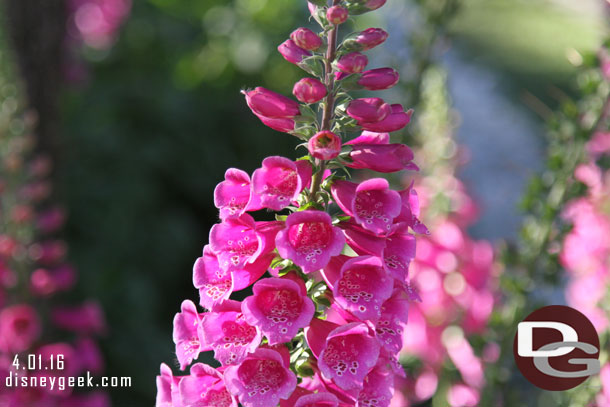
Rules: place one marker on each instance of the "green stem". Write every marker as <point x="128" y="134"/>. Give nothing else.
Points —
<point x="329" y="105"/>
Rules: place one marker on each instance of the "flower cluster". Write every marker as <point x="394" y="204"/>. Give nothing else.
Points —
<point x="33" y="269"/>
<point x="585" y="253"/>
<point x="453" y="275"/>
<point x="329" y="276"/>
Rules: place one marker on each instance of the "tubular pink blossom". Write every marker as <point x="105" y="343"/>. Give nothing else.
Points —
<point x="278" y="183"/>
<point x="280" y="307"/>
<point x="369" y="110"/>
<point x="19" y="328"/>
<point x="325" y="145"/>
<point x="306" y="39"/>
<point x="309" y="240"/>
<point x="270" y="104"/>
<point x="292" y="52"/>
<point x="309" y="90"/>
<point x="370" y="38"/>
<point x="395" y="121"/>
<point x="337" y="15"/>
<point x="385" y="158"/>
<point x="261" y="380"/>
<point x="354" y="62"/>
<point x="379" y="79"/>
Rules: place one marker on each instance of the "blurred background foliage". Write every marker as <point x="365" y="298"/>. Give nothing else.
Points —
<point x="158" y="118"/>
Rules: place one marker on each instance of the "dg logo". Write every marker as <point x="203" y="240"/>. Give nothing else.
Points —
<point x="556" y="348"/>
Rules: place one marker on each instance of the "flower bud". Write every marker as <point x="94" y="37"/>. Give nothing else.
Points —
<point x="396" y="120"/>
<point x="370" y="38"/>
<point x="354" y="62"/>
<point x="336" y="15"/>
<point x="364" y="6"/>
<point x="267" y="103"/>
<point x="369" y="110"/>
<point x="378" y="79"/>
<point x="306" y="39"/>
<point x="292" y="52"/>
<point x="284" y="125"/>
<point x="325" y="145"/>
<point x="309" y="90"/>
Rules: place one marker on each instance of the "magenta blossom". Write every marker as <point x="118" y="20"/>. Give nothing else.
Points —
<point x="391" y="325"/>
<point x="187" y="334"/>
<point x="372" y="151"/>
<point x="369" y="110"/>
<point x="279" y="307"/>
<point x="320" y="399"/>
<point x="395" y="121"/>
<point x="283" y="124"/>
<point x="214" y="284"/>
<point x="226" y="331"/>
<point x="233" y="194"/>
<point x="354" y="62"/>
<point x="372" y="204"/>
<point x="346" y="354"/>
<point x="379" y="79"/>
<point x="360" y="286"/>
<point x="370" y="38"/>
<point x="19" y="328"/>
<point x="240" y="242"/>
<point x="325" y="145"/>
<point x="377" y="389"/>
<point x="167" y="388"/>
<point x="267" y="103"/>
<point x="309" y="240"/>
<point x="279" y="182"/>
<point x="306" y="39"/>
<point x="292" y="52"/>
<point x="205" y="387"/>
<point x="337" y="15"/>
<point x="309" y="90"/>
<point x="262" y="379"/>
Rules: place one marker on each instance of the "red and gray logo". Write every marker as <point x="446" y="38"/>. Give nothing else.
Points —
<point x="556" y="348"/>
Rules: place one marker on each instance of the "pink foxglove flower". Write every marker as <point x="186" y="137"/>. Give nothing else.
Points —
<point x="378" y="388"/>
<point x="205" y="386"/>
<point x="226" y="331"/>
<point x="309" y="240"/>
<point x="261" y="380"/>
<point x="309" y="90"/>
<point x="214" y="284"/>
<point x="167" y="388"/>
<point x="337" y="15"/>
<point x="267" y="103"/>
<point x="379" y="79"/>
<point x="370" y="38"/>
<point x="306" y="39"/>
<point x="279" y="307"/>
<point x="324" y="145"/>
<point x="187" y="334"/>
<point x="372" y="204"/>
<point x="395" y="121"/>
<point x="320" y="399"/>
<point x="360" y="286"/>
<point x="279" y="182"/>
<point x="241" y="242"/>
<point x="373" y="154"/>
<point x="292" y="52"/>
<point x="369" y="110"/>
<point x="346" y="354"/>
<point x="354" y="62"/>
<point x="335" y="310"/>
<point x="232" y="195"/>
